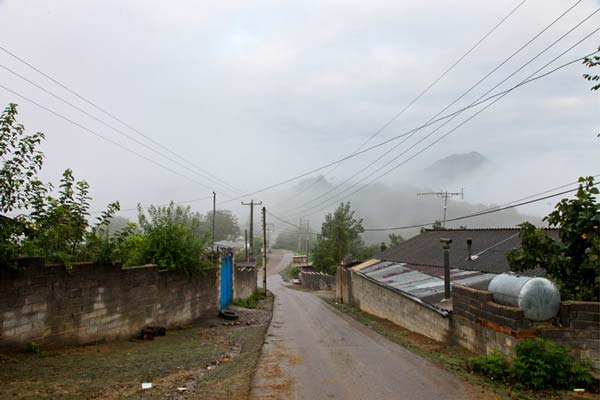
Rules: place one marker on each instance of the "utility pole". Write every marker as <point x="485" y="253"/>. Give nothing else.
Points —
<point x="444" y="194"/>
<point x="252" y="204"/>
<point x="340" y="266"/>
<point x="213" y="220"/>
<point x="264" y="225"/>
<point x="246" y="243"/>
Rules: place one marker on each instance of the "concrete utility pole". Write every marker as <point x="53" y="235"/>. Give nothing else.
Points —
<point x="252" y="204"/>
<point x="213" y="219"/>
<point x="264" y="224"/>
<point x="446" y="246"/>
<point x="444" y="194"/>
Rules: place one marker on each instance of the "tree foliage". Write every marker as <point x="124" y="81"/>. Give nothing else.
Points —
<point x="340" y="235"/>
<point x="173" y="238"/>
<point x="227" y="226"/>
<point x="573" y="262"/>
<point x="53" y="227"/>
<point x="592" y="62"/>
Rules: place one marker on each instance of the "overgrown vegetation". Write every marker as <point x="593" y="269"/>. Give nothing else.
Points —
<point x="290" y="272"/>
<point x="539" y="364"/>
<point x="57" y="226"/>
<point x="573" y="262"/>
<point x="251" y="301"/>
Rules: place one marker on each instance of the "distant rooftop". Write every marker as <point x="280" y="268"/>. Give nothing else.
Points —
<point x="488" y="249"/>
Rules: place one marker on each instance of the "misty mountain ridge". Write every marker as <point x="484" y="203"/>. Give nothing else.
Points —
<point x="397" y="204"/>
<point x="457" y="168"/>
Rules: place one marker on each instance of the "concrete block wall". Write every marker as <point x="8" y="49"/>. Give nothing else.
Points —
<point x="244" y="282"/>
<point x="317" y="281"/>
<point x="384" y="302"/>
<point x="483" y="326"/>
<point x="90" y="303"/>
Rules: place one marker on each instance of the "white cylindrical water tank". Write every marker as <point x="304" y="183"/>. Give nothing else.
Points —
<point x="539" y="298"/>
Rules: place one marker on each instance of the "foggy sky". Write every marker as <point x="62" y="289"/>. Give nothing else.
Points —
<point x="256" y="92"/>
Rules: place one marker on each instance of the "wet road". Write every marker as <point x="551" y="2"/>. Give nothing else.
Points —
<point x="314" y="352"/>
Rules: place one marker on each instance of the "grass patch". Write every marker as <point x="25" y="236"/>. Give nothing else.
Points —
<point x="290" y="272"/>
<point x="453" y="358"/>
<point x="251" y="301"/>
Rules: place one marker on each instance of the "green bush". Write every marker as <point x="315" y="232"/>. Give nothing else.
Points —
<point x="173" y="239"/>
<point x="538" y="364"/>
<point x="32" y="348"/>
<point x="494" y="366"/>
<point x="542" y="364"/>
<point x="251" y="301"/>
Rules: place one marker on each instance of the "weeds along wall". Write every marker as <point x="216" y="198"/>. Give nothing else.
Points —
<point x="53" y="306"/>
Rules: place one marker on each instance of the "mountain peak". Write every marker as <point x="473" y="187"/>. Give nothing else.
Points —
<point x="458" y="165"/>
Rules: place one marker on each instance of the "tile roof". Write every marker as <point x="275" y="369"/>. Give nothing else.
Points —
<point x="489" y="248"/>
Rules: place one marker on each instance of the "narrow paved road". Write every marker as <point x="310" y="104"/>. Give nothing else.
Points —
<point x="314" y="352"/>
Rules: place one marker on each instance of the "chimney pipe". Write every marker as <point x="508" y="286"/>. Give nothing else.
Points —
<point x="469" y="248"/>
<point x="446" y="246"/>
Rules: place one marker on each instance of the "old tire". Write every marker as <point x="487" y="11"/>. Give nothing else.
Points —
<point x="227" y="314"/>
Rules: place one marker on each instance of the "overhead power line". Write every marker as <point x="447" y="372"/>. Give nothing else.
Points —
<point x="537" y="35"/>
<point x="430" y="86"/>
<point x="119" y="131"/>
<point x="394" y="138"/>
<point x="477" y="214"/>
<point x="388" y="171"/>
<point x="77" y="124"/>
<point x="113" y="116"/>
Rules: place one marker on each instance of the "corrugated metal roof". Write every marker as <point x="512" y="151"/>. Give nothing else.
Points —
<point x="423" y="282"/>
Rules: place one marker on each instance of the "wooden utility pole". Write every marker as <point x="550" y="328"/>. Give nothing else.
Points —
<point x="213" y="219"/>
<point x="252" y="204"/>
<point x="246" y="243"/>
<point x="340" y="266"/>
<point x="264" y="225"/>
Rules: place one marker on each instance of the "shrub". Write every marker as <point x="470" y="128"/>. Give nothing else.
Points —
<point x="538" y="364"/>
<point x="541" y="364"/>
<point x="494" y="366"/>
<point x="32" y="348"/>
<point x="251" y="301"/>
<point x="172" y="238"/>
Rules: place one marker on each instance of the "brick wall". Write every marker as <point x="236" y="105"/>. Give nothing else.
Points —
<point x="244" y="282"/>
<point x="384" y="302"/>
<point x="483" y="326"/>
<point x="54" y="307"/>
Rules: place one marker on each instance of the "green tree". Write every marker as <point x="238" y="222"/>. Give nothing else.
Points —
<point x="573" y="262"/>
<point x="227" y="226"/>
<point x="59" y="225"/>
<point x="19" y="184"/>
<point x="173" y="238"/>
<point x="395" y="240"/>
<point x="340" y="235"/>
<point x="591" y="62"/>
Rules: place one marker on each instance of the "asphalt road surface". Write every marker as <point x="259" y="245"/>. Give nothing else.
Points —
<point x="315" y="352"/>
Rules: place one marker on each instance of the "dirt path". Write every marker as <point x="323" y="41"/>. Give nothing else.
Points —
<point x="314" y="352"/>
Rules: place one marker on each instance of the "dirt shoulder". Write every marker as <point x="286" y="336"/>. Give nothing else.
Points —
<point x="450" y="357"/>
<point x="212" y="359"/>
